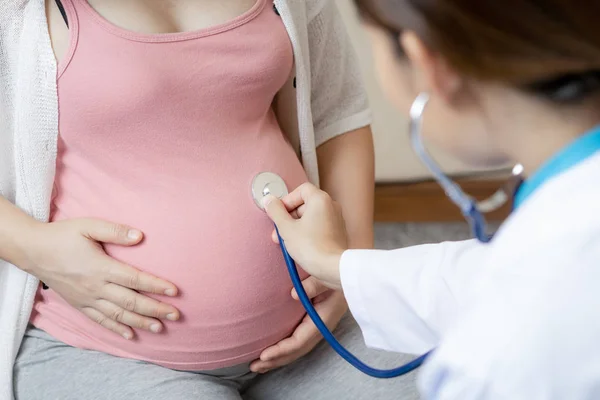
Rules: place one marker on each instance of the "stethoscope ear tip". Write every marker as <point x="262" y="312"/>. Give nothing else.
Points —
<point x="517" y="170"/>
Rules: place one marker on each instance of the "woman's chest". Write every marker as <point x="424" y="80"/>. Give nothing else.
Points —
<point x="168" y="16"/>
<point x="234" y="68"/>
<point x="148" y="16"/>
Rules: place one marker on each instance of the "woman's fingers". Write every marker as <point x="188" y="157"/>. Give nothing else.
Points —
<point x="108" y="323"/>
<point x="303" y="340"/>
<point x="128" y="318"/>
<point x="132" y="278"/>
<point x="109" y="232"/>
<point x="138" y="303"/>
<point x="312" y="287"/>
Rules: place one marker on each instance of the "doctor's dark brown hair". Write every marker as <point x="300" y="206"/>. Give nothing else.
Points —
<point x="550" y="48"/>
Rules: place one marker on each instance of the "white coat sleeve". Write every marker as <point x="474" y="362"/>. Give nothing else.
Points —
<point x="404" y="299"/>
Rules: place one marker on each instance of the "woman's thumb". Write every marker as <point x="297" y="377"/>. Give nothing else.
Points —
<point x="276" y="210"/>
<point x="108" y="232"/>
<point x="313" y="288"/>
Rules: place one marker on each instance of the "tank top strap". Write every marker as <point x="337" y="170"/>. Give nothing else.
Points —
<point x="67" y="9"/>
<point x="61" y="8"/>
<point x="82" y="9"/>
<point x="85" y="29"/>
<point x="71" y="17"/>
<point x="80" y="13"/>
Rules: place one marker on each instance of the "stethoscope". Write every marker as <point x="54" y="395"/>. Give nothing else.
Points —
<point x="268" y="183"/>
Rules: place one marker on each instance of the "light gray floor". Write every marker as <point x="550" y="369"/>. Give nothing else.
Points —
<point x="391" y="235"/>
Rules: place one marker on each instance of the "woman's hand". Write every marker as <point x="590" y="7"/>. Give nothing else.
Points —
<point x="312" y="227"/>
<point x="331" y="307"/>
<point x="69" y="258"/>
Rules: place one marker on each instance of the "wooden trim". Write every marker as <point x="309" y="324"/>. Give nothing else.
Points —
<point x="427" y="202"/>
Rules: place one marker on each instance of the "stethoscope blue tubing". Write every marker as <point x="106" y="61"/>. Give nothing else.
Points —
<point x="328" y="336"/>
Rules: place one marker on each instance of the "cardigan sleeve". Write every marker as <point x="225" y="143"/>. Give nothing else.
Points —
<point x="338" y="97"/>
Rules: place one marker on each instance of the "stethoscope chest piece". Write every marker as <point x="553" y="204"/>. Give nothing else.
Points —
<point x="267" y="183"/>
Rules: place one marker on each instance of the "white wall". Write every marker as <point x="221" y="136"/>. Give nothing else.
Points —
<point x="394" y="156"/>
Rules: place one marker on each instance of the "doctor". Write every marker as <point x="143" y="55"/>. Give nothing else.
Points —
<point x="496" y="83"/>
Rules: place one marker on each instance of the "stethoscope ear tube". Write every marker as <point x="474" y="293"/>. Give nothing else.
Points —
<point x="471" y="209"/>
<point x="329" y="337"/>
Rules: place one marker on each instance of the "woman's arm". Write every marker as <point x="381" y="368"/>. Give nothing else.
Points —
<point x="341" y="122"/>
<point x="339" y="100"/>
<point x="15" y="228"/>
<point x="346" y="172"/>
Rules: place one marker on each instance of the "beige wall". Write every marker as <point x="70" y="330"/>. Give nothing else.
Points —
<point x="395" y="159"/>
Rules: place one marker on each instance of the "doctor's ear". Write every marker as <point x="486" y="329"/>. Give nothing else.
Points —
<point x="432" y="74"/>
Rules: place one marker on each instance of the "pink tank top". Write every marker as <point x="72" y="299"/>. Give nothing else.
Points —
<point x="165" y="133"/>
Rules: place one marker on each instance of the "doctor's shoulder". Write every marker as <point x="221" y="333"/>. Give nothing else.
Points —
<point x="554" y="223"/>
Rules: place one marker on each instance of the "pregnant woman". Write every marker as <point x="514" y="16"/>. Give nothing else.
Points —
<point x="154" y="117"/>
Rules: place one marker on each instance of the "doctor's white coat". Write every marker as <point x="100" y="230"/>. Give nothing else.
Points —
<point x="516" y="319"/>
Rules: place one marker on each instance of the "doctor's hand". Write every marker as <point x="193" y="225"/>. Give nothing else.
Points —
<point x="331" y="307"/>
<point x="312" y="227"/>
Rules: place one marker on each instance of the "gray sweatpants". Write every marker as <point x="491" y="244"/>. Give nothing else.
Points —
<point x="51" y="370"/>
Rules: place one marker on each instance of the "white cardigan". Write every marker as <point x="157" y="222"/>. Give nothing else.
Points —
<point x="329" y="101"/>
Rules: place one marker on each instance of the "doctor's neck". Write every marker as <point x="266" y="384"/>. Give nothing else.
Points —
<point x="530" y="131"/>
<point x="506" y="83"/>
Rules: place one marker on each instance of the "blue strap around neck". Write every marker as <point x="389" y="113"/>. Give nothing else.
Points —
<point x="578" y="151"/>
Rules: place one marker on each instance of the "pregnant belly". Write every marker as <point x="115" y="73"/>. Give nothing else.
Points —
<point x="206" y="236"/>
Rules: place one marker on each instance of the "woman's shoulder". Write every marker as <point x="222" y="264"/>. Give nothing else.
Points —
<point x="310" y="8"/>
<point x="12" y="19"/>
<point x="14" y="14"/>
<point x="11" y="9"/>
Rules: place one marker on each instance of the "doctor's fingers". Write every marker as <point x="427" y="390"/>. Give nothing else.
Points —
<point x="304" y="197"/>
<point x="278" y="213"/>
<point x="301" y="195"/>
<point x="296" y="214"/>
